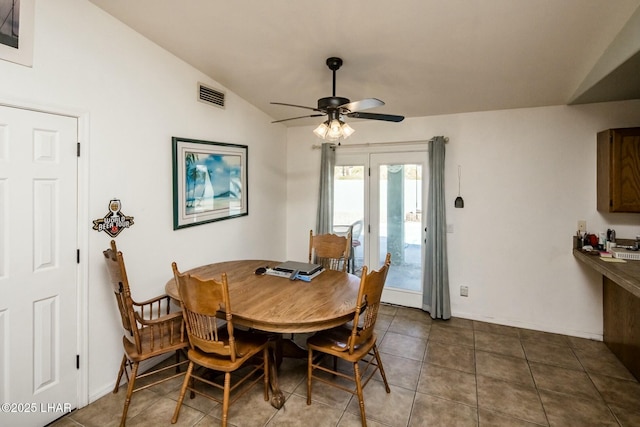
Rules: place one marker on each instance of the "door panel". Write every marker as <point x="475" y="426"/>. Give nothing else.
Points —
<point x="397" y="223"/>
<point x="386" y="190"/>
<point x="38" y="268"/>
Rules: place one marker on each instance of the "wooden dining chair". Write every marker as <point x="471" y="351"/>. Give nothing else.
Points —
<point x="355" y="344"/>
<point x="150" y="330"/>
<point x="214" y="343"/>
<point x="330" y="250"/>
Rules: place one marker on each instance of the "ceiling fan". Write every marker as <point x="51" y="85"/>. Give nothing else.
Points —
<point x="336" y="108"/>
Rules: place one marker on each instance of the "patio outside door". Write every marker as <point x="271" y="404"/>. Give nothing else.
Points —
<point x="380" y="195"/>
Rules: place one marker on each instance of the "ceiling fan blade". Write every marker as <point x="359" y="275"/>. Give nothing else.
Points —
<point x="373" y="116"/>
<point x="293" y="105"/>
<point x="294" y="118"/>
<point x="363" y="104"/>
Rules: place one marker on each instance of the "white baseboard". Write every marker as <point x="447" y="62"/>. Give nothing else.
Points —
<point x="532" y="326"/>
<point x="108" y="388"/>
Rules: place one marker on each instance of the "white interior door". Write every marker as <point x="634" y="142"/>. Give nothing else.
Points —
<point x="38" y="266"/>
<point x="385" y="192"/>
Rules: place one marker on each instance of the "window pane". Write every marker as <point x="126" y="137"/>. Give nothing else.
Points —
<point x="401" y="224"/>
<point x="348" y="210"/>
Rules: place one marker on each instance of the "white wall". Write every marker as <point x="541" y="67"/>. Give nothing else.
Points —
<point x="134" y="97"/>
<point x="528" y="176"/>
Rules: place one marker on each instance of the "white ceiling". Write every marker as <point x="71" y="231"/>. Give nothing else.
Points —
<point x="422" y="57"/>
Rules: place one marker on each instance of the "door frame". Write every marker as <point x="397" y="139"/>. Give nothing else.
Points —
<point x="364" y="151"/>
<point x="82" y="271"/>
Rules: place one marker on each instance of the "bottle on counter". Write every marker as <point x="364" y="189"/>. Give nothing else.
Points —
<point x="611" y="239"/>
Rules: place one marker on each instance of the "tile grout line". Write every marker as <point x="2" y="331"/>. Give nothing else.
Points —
<point x="475" y="374"/>
<point x="535" y="384"/>
<point x="573" y="351"/>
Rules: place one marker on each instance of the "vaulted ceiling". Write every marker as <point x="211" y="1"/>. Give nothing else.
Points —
<point x="422" y="57"/>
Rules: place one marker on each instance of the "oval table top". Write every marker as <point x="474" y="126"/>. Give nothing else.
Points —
<point x="277" y="304"/>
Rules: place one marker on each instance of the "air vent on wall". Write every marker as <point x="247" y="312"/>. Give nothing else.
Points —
<point x="210" y="96"/>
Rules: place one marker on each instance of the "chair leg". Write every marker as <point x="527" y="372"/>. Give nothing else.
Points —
<point x="225" y="399"/>
<point x="127" y="400"/>
<point x="309" y="374"/>
<point x="120" y="372"/>
<point x="356" y="375"/>
<point x="183" y="391"/>
<point x="379" y="360"/>
<point x="192" y="393"/>
<point x="266" y="367"/>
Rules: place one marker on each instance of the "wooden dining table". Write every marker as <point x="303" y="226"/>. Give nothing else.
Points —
<point x="280" y="305"/>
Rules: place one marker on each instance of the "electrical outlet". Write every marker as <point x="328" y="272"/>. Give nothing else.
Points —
<point x="464" y="291"/>
<point x="582" y="226"/>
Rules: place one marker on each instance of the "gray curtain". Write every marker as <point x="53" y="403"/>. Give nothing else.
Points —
<point x="324" y="220"/>
<point x="435" y="298"/>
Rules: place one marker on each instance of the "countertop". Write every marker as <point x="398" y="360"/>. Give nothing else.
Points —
<point x="627" y="274"/>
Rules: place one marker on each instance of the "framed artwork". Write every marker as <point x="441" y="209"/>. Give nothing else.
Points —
<point x="16" y="31"/>
<point x="209" y="182"/>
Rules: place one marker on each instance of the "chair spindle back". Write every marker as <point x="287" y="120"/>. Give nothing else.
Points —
<point x="330" y="250"/>
<point x="120" y="284"/>
<point x="202" y="302"/>
<point x="368" y="304"/>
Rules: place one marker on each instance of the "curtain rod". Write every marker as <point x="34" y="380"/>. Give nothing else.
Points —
<point x="380" y="144"/>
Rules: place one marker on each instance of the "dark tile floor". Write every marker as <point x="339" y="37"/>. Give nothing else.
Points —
<point x="442" y="373"/>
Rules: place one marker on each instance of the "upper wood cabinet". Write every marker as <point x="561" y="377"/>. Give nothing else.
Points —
<point x="618" y="163"/>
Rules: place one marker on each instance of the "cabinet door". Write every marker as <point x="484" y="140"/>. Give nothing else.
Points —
<point x="619" y="170"/>
<point x="625" y="171"/>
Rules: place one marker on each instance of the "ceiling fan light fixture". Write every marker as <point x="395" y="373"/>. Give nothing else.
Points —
<point x="347" y="130"/>
<point x="333" y="130"/>
<point x="322" y="129"/>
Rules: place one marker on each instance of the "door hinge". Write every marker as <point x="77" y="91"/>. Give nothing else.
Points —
<point x="77" y="361"/>
<point x="369" y="171"/>
<point x="78" y="256"/>
<point x="78" y="153"/>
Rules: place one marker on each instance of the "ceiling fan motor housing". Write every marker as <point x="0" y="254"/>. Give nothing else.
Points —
<point x="331" y="102"/>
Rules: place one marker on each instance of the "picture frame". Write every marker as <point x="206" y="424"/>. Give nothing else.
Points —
<point x="16" y="31"/>
<point x="210" y="181"/>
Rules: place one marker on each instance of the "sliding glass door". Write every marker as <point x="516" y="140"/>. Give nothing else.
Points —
<point x="382" y="194"/>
